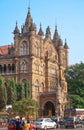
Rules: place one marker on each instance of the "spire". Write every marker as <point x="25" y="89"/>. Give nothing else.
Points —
<point x="65" y="45"/>
<point x="28" y="18"/>
<point x="56" y="35"/>
<point x="16" y="29"/>
<point x="40" y="31"/>
<point x="29" y="25"/>
<point x="48" y="33"/>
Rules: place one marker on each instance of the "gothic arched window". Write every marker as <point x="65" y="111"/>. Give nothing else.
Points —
<point x="13" y="68"/>
<point x="24" y="67"/>
<point x="24" y="48"/>
<point x="43" y="69"/>
<point x="36" y="88"/>
<point x="42" y="88"/>
<point x="36" y="66"/>
<point x="36" y="49"/>
<point x="52" y="86"/>
<point x="9" y="68"/>
<point x="0" y="68"/>
<point x="4" y="68"/>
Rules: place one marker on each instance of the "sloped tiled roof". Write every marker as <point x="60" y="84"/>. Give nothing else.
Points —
<point x="4" y="50"/>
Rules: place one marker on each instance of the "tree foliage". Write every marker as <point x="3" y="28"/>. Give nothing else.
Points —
<point x="75" y="80"/>
<point x="25" y="106"/>
<point x="11" y="91"/>
<point x="20" y="91"/>
<point x="3" y="93"/>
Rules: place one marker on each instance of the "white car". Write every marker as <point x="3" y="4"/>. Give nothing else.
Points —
<point x="45" y="123"/>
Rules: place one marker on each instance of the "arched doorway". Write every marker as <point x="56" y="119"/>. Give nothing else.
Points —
<point x="49" y="109"/>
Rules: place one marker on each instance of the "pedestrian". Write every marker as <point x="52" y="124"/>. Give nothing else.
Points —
<point x="18" y="124"/>
<point x="27" y="125"/>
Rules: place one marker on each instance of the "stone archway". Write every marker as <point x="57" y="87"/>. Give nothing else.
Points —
<point x="49" y="109"/>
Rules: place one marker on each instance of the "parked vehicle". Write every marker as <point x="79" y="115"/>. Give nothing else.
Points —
<point x="55" y="120"/>
<point x="61" y="123"/>
<point x="82" y="121"/>
<point x="79" y="123"/>
<point x="70" y="122"/>
<point x="45" y="123"/>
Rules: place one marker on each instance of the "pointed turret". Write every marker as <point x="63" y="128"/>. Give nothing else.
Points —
<point x="48" y="33"/>
<point x="66" y="53"/>
<point x="16" y="30"/>
<point x="56" y="37"/>
<point x="40" y="31"/>
<point x="28" y="20"/>
<point x="65" y="45"/>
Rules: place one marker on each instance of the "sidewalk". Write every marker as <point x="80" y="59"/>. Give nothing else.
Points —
<point x="3" y="128"/>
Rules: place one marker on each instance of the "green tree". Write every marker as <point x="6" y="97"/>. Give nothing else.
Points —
<point x="3" y="93"/>
<point x="20" y="91"/>
<point x="23" y="90"/>
<point x="75" y="80"/>
<point x="25" y="106"/>
<point x="11" y="91"/>
<point x="27" y="89"/>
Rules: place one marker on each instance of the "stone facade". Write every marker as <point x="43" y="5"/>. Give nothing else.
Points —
<point x="41" y="60"/>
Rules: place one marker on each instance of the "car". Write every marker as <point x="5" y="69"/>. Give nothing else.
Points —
<point x="79" y="123"/>
<point x="55" y="120"/>
<point x="45" y="123"/>
<point x="61" y="123"/>
<point x="70" y="122"/>
<point x="82" y="121"/>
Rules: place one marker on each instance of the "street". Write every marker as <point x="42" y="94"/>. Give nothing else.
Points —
<point x="57" y="129"/>
<point x="71" y="129"/>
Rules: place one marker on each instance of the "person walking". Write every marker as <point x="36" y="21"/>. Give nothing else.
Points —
<point x="18" y="124"/>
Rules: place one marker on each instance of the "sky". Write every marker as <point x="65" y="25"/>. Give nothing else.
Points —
<point x="67" y="15"/>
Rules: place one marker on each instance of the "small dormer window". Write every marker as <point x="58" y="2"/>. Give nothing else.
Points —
<point x="11" y="51"/>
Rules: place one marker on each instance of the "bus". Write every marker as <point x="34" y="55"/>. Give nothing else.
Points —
<point x="74" y="112"/>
